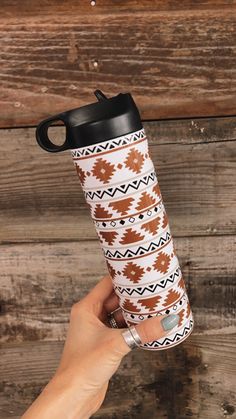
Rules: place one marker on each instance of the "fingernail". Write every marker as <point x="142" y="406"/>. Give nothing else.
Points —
<point x="170" y="321"/>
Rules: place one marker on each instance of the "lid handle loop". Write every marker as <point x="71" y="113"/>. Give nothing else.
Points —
<point x="42" y="135"/>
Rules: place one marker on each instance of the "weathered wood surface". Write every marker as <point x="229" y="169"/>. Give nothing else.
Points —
<point x="178" y="60"/>
<point x="12" y="8"/>
<point x="176" y="63"/>
<point x="195" y="380"/>
<point x="41" y="199"/>
<point x="40" y="282"/>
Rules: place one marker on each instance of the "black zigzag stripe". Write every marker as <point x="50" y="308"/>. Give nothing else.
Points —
<point x="107" y="145"/>
<point x="151" y="288"/>
<point x="168" y="341"/>
<point x="98" y="149"/>
<point x="122" y="188"/>
<point x="140" y="251"/>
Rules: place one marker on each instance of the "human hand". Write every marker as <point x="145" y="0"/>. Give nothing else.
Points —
<point x="92" y="354"/>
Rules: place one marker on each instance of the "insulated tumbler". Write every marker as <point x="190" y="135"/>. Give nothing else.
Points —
<point x="111" y="156"/>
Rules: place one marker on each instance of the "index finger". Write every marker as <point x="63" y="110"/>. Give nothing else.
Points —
<point x="97" y="296"/>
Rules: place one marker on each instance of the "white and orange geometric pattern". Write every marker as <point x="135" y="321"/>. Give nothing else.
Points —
<point x="157" y="302"/>
<point x="121" y="189"/>
<point x="178" y="307"/>
<point x="149" y="268"/>
<point x="180" y="332"/>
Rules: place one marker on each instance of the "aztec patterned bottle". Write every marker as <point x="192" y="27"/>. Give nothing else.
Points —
<point x="111" y="156"/>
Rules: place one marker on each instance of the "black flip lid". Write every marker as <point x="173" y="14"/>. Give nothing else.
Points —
<point x="100" y="121"/>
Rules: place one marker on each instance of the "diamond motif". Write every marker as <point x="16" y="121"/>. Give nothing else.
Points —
<point x="134" y="161"/>
<point x="81" y="174"/>
<point x="171" y="298"/>
<point x="164" y="221"/>
<point x="133" y="272"/>
<point x="131" y="219"/>
<point x="181" y="283"/>
<point x="156" y="190"/>
<point x="122" y="206"/>
<point x="150" y="303"/>
<point x="111" y="270"/>
<point x="145" y="201"/>
<point x="129" y="306"/>
<point x="101" y="212"/>
<point x="131" y="236"/>
<point x="151" y="226"/>
<point x="162" y="262"/>
<point x="188" y="310"/>
<point x="109" y="236"/>
<point x="103" y="170"/>
<point x="181" y="317"/>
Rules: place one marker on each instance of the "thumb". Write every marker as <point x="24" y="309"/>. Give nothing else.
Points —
<point x="148" y="330"/>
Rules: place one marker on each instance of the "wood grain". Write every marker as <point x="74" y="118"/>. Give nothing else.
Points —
<point x="178" y="59"/>
<point x="199" y="376"/>
<point x="176" y="63"/>
<point x="47" y="8"/>
<point x="41" y="200"/>
<point x="40" y="282"/>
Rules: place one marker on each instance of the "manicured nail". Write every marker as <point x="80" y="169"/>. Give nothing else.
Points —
<point x="170" y="321"/>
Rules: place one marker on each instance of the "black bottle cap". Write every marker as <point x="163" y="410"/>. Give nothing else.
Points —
<point x="100" y="121"/>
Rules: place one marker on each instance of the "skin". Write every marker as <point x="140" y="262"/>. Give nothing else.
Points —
<point x="92" y="354"/>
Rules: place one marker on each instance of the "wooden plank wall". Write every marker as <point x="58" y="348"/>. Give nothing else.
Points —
<point x="178" y="60"/>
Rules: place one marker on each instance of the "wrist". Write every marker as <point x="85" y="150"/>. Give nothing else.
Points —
<point x="61" y="399"/>
<point x="71" y="400"/>
<point x="81" y="400"/>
